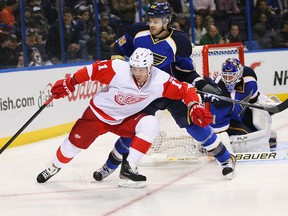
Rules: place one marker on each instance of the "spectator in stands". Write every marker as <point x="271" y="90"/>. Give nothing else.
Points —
<point x="212" y="36"/>
<point x="184" y="23"/>
<point x="92" y="49"/>
<point x="104" y="6"/>
<point x="9" y="55"/>
<point x="105" y="27"/>
<point x="261" y="8"/>
<point x="208" y="20"/>
<point x="199" y="29"/>
<point x="233" y="35"/>
<point x="33" y="3"/>
<point x="204" y="7"/>
<point x="28" y="13"/>
<point x="39" y="22"/>
<point x="227" y="6"/>
<point x="106" y="47"/>
<point x="125" y="10"/>
<point x="280" y="40"/>
<point x="7" y="15"/>
<point x="175" y="25"/>
<point x="83" y="5"/>
<point x="71" y="40"/>
<point x="264" y="20"/>
<point x="84" y="26"/>
<point x="263" y="36"/>
<point x="35" y="52"/>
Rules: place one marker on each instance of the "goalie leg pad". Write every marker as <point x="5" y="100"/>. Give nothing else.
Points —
<point x="258" y="140"/>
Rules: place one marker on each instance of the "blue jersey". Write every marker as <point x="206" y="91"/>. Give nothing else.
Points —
<point x="172" y="54"/>
<point x="246" y="89"/>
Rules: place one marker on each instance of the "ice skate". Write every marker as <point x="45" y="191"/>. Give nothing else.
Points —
<point x="273" y="144"/>
<point x="47" y="173"/>
<point x="130" y="177"/>
<point x="102" y="173"/>
<point x="228" y="167"/>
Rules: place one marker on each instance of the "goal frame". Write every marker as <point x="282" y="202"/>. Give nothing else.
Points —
<point x="209" y="47"/>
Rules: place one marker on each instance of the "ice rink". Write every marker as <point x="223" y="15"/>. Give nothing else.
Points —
<point x="198" y="189"/>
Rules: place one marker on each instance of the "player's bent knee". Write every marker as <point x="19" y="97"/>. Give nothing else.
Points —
<point x="148" y="125"/>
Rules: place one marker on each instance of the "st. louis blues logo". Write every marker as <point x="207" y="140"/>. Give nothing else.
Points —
<point x="126" y="99"/>
<point x="158" y="59"/>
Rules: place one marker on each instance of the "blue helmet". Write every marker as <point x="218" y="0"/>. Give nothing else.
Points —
<point x="159" y="10"/>
<point x="232" y="71"/>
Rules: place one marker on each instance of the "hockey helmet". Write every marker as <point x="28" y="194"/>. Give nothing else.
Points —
<point x="142" y="57"/>
<point x="159" y="10"/>
<point x="231" y="73"/>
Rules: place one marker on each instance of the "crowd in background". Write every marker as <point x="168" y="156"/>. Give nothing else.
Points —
<point x="47" y="28"/>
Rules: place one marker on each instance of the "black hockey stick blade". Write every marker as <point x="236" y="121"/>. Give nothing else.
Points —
<point x="26" y="124"/>
<point x="280" y="107"/>
<point x="271" y="109"/>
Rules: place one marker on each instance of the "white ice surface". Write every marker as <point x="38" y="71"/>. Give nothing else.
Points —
<point x="198" y="189"/>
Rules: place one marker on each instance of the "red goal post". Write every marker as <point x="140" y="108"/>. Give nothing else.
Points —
<point x="174" y="143"/>
<point x="208" y="59"/>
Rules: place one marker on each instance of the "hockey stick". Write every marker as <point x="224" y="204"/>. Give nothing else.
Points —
<point x="271" y="109"/>
<point x="240" y="157"/>
<point x="27" y="123"/>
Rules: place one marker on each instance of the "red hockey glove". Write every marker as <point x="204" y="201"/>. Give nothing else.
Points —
<point x="63" y="87"/>
<point x="200" y="116"/>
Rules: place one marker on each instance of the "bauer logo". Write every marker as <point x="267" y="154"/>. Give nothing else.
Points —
<point x="256" y="156"/>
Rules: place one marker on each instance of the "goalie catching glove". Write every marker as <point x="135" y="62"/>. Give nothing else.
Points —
<point x="63" y="87"/>
<point x="200" y="116"/>
<point x="208" y="85"/>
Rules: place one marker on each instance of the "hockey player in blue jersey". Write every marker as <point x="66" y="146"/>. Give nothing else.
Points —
<point x="240" y="82"/>
<point x="172" y="51"/>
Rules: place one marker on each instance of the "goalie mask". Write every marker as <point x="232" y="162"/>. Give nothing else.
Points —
<point x="231" y="73"/>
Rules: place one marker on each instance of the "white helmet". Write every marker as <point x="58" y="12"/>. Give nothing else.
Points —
<point x="141" y="57"/>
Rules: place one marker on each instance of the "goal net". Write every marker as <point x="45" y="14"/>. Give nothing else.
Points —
<point x="174" y="143"/>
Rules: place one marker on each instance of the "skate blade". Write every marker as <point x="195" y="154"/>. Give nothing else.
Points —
<point x="127" y="183"/>
<point x="231" y="175"/>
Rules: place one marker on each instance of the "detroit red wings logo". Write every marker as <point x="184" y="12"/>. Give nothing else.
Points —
<point x="126" y="99"/>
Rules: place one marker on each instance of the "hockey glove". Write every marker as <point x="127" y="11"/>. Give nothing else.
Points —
<point x="211" y="99"/>
<point x="200" y="116"/>
<point x="208" y="85"/>
<point x="63" y="87"/>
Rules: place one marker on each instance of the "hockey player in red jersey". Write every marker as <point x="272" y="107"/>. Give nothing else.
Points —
<point x="130" y="87"/>
<point x="172" y="53"/>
